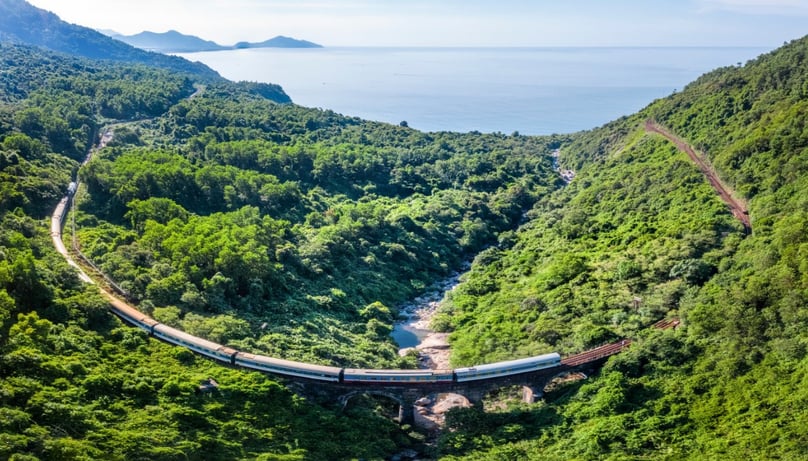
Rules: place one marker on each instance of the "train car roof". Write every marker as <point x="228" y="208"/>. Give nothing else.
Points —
<point x="288" y="363"/>
<point x="179" y="334"/>
<point x="419" y="372"/>
<point x="126" y="309"/>
<point x="552" y="357"/>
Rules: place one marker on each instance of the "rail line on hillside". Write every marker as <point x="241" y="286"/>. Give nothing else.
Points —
<point x="491" y="372"/>
<point x="727" y="195"/>
<point x="319" y="373"/>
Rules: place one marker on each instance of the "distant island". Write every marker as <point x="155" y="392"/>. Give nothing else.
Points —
<point x="176" y="42"/>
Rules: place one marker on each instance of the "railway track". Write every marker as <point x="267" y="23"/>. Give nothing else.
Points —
<point x="598" y="353"/>
<point x="665" y="324"/>
<point x="601" y="352"/>
<point x="112" y="292"/>
<point x="737" y="207"/>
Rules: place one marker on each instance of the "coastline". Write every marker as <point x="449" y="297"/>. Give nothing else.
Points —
<point x="529" y="90"/>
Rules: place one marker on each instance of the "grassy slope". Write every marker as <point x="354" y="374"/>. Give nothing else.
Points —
<point x="639" y="221"/>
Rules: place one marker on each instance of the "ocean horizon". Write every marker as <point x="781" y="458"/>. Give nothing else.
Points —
<point x="530" y="90"/>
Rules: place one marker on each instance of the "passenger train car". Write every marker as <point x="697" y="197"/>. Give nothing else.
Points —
<point x="510" y="367"/>
<point x="288" y="367"/>
<point x="362" y="376"/>
<point x="202" y="346"/>
<point x="131" y="315"/>
<point x="282" y="367"/>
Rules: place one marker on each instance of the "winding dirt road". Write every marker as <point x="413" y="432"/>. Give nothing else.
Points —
<point x="737" y="207"/>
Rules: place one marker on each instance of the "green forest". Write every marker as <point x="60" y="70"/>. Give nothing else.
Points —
<point x="638" y="235"/>
<point x="225" y="210"/>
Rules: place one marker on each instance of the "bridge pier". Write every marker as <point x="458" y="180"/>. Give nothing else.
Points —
<point x="406" y="414"/>
<point x="406" y="405"/>
<point x="474" y="395"/>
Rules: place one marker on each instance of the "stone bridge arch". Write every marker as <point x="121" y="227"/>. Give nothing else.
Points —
<point x="404" y="397"/>
<point x="407" y="396"/>
<point x="345" y="398"/>
<point x="549" y="382"/>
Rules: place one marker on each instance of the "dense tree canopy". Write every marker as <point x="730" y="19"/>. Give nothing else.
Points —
<point x="74" y="382"/>
<point x="298" y="232"/>
<point x="638" y="235"/>
<point x="296" y="219"/>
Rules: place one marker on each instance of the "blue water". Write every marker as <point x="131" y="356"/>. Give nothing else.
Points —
<point x="406" y="335"/>
<point x="530" y="90"/>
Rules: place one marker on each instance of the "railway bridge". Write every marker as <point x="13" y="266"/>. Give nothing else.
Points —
<point x="326" y="384"/>
<point x="406" y="394"/>
<point x="327" y="387"/>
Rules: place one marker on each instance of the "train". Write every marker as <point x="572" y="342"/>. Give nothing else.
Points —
<point x="289" y="368"/>
<point x="57" y="220"/>
<point x="59" y="216"/>
<point x="353" y="376"/>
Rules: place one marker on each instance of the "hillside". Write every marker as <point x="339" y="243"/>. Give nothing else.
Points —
<point x="297" y="232"/>
<point x="21" y="22"/>
<point x="640" y="235"/>
<point x="267" y="226"/>
<point x="313" y="224"/>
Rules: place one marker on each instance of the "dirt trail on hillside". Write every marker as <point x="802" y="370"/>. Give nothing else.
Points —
<point x="737" y="207"/>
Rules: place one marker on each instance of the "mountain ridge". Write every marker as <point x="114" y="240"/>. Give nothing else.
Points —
<point x="170" y="41"/>
<point x="173" y="41"/>
<point x="23" y="23"/>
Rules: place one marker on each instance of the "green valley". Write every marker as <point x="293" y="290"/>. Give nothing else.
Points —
<point x="227" y="211"/>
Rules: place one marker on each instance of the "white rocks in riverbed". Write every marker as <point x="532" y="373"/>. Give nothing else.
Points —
<point x="449" y="401"/>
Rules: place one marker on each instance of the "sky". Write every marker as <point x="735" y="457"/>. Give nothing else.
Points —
<point x="454" y="22"/>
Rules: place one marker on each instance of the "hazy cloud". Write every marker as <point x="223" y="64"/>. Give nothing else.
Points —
<point x="757" y="7"/>
<point x="454" y="22"/>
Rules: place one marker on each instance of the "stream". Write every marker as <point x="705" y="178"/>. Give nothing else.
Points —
<point x="567" y="175"/>
<point x="413" y="332"/>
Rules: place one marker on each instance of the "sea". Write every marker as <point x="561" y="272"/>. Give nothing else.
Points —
<point x="532" y="91"/>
